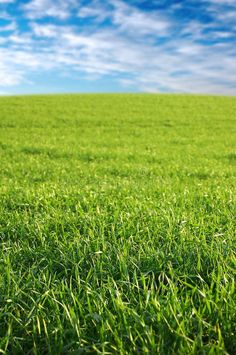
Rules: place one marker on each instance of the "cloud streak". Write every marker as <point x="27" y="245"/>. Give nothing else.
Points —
<point x="37" y="9"/>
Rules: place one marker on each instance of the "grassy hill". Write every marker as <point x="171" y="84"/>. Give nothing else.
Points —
<point x="117" y="224"/>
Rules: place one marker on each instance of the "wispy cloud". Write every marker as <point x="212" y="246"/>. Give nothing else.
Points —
<point x="61" y="9"/>
<point x="127" y="18"/>
<point x="9" y="76"/>
<point x="6" y="1"/>
<point x="157" y="49"/>
<point x="9" y="27"/>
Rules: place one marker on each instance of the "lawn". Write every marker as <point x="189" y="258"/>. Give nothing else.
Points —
<point x="117" y="224"/>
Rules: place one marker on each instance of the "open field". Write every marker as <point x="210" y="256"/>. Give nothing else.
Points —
<point x="117" y="224"/>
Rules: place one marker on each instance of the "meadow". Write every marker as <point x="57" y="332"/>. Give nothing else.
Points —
<point x="117" y="224"/>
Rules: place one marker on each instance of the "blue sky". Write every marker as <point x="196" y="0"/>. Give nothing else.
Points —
<point x="186" y="46"/>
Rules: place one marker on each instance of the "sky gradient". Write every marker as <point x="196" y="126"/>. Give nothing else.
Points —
<point x="181" y="46"/>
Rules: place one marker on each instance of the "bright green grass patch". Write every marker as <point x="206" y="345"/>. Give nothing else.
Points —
<point x="117" y="224"/>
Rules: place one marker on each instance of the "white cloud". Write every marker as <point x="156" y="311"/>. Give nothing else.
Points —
<point x="223" y="2"/>
<point x="9" y="76"/>
<point x="133" y="20"/>
<point x="48" y="31"/>
<point x="127" y="18"/>
<point x="6" y="1"/>
<point x="223" y="11"/>
<point x="10" y="27"/>
<point x="20" y="39"/>
<point x="96" y="9"/>
<point x="47" y="8"/>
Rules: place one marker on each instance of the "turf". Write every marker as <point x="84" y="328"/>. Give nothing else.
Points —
<point x="117" y="224"/>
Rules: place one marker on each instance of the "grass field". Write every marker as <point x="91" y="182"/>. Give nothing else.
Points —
<point x="117" y="224"/>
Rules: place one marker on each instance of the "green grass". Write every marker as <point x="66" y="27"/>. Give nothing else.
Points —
<point x="117" y="224"/>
